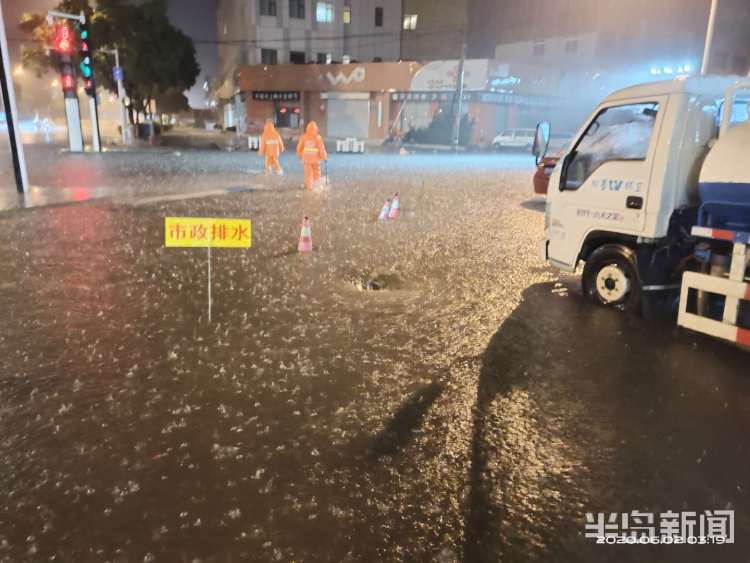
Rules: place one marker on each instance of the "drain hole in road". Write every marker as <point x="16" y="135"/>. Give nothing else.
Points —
<point x="373" y="285"/>
<point x="368" y="282"/>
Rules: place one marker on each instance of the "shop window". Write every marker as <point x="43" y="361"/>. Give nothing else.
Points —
<point x="297" y="57"/>
<point x="297" y="9"/>
<point x="269" y="56"/>
<point x="378" y="17"/>
<point x="267" y="7"/>
<point x="322" y="58"/>
<point x="347" y="17"/>
<point x="287" y="116"/>
<point x="324" y="12"/>
<point x="410" y="22"/>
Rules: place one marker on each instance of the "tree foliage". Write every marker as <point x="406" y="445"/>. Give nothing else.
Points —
<point x="157" y="58"/>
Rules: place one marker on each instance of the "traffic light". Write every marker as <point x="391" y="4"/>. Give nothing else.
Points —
<point x="64" y="45"/>
<point x="64" y="39"/>
<point x="68" y="78"/>
<point x="86" y="55"/>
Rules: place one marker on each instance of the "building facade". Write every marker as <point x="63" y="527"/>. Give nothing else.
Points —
<point x="273" y="32"/>
<point x="433" y="29"/>
<point x="625" y="34"/>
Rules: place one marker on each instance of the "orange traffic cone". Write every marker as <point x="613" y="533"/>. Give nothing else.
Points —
<point x="305" y="237"/>
<point x="395" y="204"/>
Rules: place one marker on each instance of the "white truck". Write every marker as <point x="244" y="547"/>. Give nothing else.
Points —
<point x="653" y="194"/>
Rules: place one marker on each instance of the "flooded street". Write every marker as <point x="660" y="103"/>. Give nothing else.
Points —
<point x="474" y="408"/>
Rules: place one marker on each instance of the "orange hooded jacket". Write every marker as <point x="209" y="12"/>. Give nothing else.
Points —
<point x="311" y="148"/>
<point x="271" y="143"/>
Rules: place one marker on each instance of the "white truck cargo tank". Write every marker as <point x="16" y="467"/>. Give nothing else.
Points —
<point x="725" y="181"/>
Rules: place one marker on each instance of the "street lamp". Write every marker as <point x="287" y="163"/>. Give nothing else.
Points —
<point x="18" y="71"/>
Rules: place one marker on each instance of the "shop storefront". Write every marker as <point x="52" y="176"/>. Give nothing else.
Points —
<point x="378" y="100"/>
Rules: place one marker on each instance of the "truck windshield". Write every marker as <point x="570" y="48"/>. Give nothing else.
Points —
<point x="617" y="133"/>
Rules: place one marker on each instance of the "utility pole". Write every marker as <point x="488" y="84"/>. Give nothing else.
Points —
<point x="87" y="66"/>
<point x="11" y="113"/>
<point x="459" y="103"/>
<point x="709" y="37"/>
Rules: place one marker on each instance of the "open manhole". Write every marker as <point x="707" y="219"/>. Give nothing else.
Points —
<point x="380" y="282"/>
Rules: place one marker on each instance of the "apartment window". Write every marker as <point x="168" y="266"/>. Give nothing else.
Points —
<point x="571" y="46"/>
<point x="538" y="49"/>
<point x="245" y="55"/>
<point x="297" y="9"/>
<point x="347" y="17"/>
<point x="269" y="56"/>
<point x="378" y="17"/>
<point x="297" y="57"/>
<point x="410" y="22"/>
<point x="267" y="7"/>
<point x="324" y="12"/>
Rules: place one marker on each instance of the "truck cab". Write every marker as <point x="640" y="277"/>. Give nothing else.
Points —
<point x="625" y="193"/>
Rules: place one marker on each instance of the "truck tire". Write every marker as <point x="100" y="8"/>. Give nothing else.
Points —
<point x="610" y="278"/>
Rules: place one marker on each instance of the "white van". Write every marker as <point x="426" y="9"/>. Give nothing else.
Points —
<point x="514" y="139"/>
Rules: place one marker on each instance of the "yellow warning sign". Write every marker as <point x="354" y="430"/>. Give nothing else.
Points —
<point x="200" y="232"/>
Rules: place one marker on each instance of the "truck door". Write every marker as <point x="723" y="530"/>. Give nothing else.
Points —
<point x="604" y="180"/>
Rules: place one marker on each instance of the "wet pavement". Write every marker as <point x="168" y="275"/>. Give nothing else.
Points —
<point x="472" y="409"/>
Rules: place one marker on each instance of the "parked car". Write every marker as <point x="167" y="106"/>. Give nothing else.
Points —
<point x="514" y="139"/>
<point x="543" y="173"/>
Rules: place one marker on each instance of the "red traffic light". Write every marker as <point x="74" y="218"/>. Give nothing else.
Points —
<point x="68" y="82"/>
<point x="64" y="39"/>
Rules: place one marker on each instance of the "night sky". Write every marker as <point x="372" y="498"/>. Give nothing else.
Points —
<point x="197" y="18"/>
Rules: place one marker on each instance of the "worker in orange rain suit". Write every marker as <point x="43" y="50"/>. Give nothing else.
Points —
<point x="271" y="145"/>
<point x="312" y="151"/>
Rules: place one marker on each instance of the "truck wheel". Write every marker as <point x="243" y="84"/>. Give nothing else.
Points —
<point x="610" y="278"/>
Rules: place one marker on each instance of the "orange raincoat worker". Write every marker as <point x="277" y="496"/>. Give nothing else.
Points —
<point x="271" y="145"/>
<point x="312" y="151"/>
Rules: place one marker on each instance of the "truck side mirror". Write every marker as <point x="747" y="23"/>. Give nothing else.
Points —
<point x="541" y="141"/>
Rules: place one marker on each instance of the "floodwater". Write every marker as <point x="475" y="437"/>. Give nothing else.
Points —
<point x="472" y="409"/>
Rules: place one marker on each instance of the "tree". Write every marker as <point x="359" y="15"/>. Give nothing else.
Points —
<point x="157" y="58"/>
<point x="172" y="101"/>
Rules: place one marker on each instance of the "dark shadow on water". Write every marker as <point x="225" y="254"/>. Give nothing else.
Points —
<point x="535" y="204"/>
<point x="241" y="190"/>
<point x="405" y="422"/>
<point x="291" y="252"/>
<point x="582" y="409"/>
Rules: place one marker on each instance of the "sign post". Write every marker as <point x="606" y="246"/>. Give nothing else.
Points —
<point x="118" y="74"/>
<point x="200" y="232"/>
<point x="209" y="285"/>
